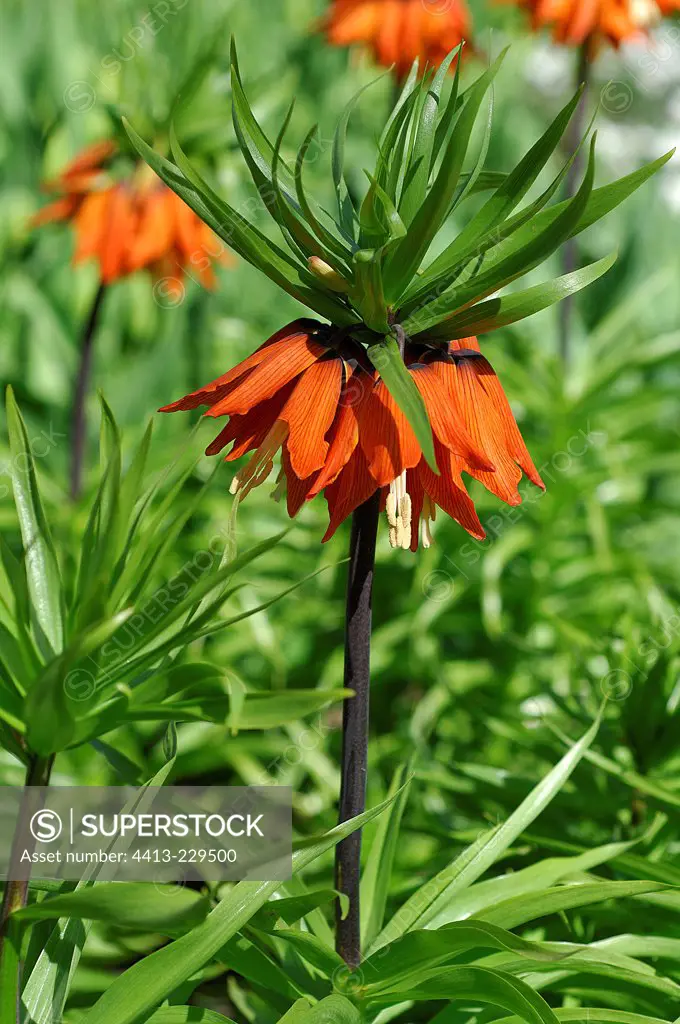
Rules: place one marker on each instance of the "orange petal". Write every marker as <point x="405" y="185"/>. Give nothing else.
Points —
<point x="249" y="431"/>
<point x="209" y="393"/>
<point x="309" y="413"/>
<point x="492" y="426"/>
<point x="351" y="489"/>
<point x="153" y="237"/>
<point x="117" y="233"/>
<point x="272" y="373"/>
<point x="385" y="436"/>
<point x="448" y="491"/>
<point x="90" y="223"/>
<point x="60" y="209"/>
<point x="90" y="158"/>
<point x="297" y="490"/>
<point x="445" y="418"/>
<point x="343" y="436"/>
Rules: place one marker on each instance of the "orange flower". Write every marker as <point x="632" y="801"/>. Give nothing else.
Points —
<point x="575" y="21"/>
<point x="310" y="391"/>
<point x="132" y="224"/>
<point x="398" y="31"/>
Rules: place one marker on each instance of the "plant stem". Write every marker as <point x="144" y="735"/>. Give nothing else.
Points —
<point x="576" y="130"/>
<point x="78" y="420"/>
<point x="16" y="892"/>
<point x="355" y="721"/>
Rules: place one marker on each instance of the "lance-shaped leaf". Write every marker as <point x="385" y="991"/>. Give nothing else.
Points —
<point x="406" y="258"/>
<point x="240" y="234"/>
<point x="508" y="309"/>
<point x="521" y="257"/>
<point x="42" y="569"/>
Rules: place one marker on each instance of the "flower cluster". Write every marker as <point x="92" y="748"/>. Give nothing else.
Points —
<point x="398" y="31"/>
<point x="129" y="223"/>
<point x="311" y="392"/>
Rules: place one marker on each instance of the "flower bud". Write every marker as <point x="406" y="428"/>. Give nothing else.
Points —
<point x="325" y="273"/>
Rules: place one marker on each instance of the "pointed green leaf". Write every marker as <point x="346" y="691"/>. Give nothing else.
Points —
<point x="508" y="309"/>
<point x="42" y="569"/>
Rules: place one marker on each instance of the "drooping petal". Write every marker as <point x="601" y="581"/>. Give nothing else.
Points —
<point x="210" y="393"/>
<point x="448" y="491"/>
<point x="119" y="225"/>
<point x="445" y="419"/>
<point x="91" y="158"/>
<point x="297" y="490"/>
<point x="249" y="430"/>
<point x="351" y="488"/>
<point x="309" y="413"/>
<point x="91" y="223"/>
<point x="343" y="436"/>
<point x="512" y="437"/>
<point x="60" y="209"/>
<point x="154" y="234"/>
<point x="271" y="374"/>
<point x="385" y="436"/>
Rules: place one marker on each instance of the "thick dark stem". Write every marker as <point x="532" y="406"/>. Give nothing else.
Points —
<point x="16" y="893"/>
<point x="576" y="130"/>
<point x="355" y="721"/>
<point x="78" y="421"/>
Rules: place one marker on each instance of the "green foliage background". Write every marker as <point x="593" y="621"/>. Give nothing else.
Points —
<point x="489" y="659"/>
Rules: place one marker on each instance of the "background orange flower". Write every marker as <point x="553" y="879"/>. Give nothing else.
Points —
<point x="575" y="21"/>
<point x="130" y="224"/>
<point x="399" y="31"/>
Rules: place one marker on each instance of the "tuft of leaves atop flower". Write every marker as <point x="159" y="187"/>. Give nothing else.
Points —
<point x="368" y="267"/>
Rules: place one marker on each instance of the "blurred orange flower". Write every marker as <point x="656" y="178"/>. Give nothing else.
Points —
<point x="398" y="31"/>
<point x="575" y="21"/>
<point x="131" y="224"/>
<point x="315" y="396"/>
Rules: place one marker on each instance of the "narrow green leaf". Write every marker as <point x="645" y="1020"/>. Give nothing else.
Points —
<point x="163" y="908"/>
<point x="239" y="233"/>
<point x="418" y="174"/>
<point x="509" y="309"/>
<point x="42" y="569"/>
<point x="490" y="988"/>
<point x="406" y="257"/>
<point x="423" y="908"/>
<point x="531" y="906"/>
<point x="593" y="1015"/>
<point x="376" y="877"/>
<point x="521" y="257"/>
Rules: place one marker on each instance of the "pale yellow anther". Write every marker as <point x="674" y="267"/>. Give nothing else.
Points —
<point x="391" y="509"/>
<point x="399" y="512"/>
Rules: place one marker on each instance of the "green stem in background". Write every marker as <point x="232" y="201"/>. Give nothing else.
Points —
<point x="576" y="130"/>
<point x="16" y="892"/>
<point x="78" y="418"/>
<point x="355" y="721"/>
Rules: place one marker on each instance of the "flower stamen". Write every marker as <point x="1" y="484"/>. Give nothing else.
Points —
<point x="398" y="508"/>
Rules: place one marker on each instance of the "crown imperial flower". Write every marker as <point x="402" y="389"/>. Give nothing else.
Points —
<point x="388" y="395"/>
<point x="400" y="31"/>
<point x="131" y="223"/>
<point x="616" y="21"/>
